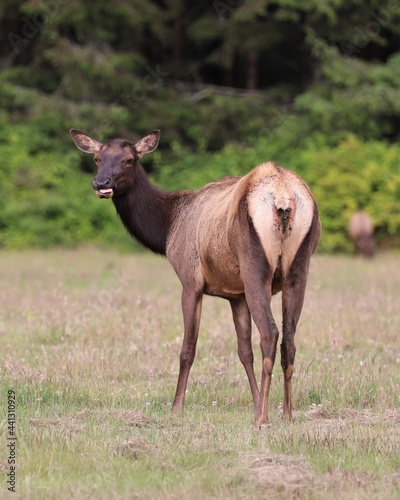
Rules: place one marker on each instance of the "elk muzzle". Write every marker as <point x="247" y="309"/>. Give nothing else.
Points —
<point x="103" y="189"/>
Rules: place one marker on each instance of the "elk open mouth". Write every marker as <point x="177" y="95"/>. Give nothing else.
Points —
<point x="104" y="193"/>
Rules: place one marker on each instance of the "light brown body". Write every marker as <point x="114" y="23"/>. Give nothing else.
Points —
<point x="240" y="238"/>
<point x="212" y="235"/>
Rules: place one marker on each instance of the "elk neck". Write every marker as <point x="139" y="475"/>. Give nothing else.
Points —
<point x="146" y="211"/>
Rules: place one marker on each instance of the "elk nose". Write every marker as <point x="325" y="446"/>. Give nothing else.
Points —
<point x="102" y="184"/>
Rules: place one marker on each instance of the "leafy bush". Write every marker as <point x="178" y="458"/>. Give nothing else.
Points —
<point x="48" y="200"/>
<point x="353" y="176"/>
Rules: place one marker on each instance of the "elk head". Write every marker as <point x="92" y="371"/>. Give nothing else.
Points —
<point x="115" y="160"/>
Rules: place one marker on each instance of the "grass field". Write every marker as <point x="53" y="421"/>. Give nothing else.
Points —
<point x="90" y="344"/>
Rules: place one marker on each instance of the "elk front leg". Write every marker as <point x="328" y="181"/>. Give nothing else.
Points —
<point x="191" y="308"/>
<point x="242" y="320"/>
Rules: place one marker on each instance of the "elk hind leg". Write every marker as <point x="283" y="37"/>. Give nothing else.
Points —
<point x="292" y="303"/>
<point x="258" y="297"/>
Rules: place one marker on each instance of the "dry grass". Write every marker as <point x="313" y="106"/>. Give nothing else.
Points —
<point x="91" y="341"/>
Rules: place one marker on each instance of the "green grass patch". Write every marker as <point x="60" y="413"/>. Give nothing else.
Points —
<point x="90" y="345"/>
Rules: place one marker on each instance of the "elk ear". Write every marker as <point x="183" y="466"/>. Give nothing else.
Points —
<point x="84" y="142"/>
<point x="148" y="143"/>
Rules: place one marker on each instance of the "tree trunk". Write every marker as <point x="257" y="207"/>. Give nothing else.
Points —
<point x="252" y="71"/>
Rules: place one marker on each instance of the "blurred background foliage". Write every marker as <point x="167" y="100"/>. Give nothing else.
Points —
<point x="312" y="85"/>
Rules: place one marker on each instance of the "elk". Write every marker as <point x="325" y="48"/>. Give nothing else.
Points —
<point x="239" y="238"/>
<point x="361" y="233"/>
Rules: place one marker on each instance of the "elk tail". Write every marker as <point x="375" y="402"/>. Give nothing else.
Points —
<point x="284" y="210"/>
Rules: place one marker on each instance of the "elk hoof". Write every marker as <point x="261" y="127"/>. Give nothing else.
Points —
<point x="261" y="422"/>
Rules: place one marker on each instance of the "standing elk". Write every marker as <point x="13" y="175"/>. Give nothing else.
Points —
<point x="239" y="238"/>
<point x="361" y="233"/>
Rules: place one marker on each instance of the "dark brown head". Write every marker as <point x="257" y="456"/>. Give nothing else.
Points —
<point x="115" y="160"/>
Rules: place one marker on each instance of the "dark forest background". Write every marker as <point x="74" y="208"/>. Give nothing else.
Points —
<point x="313" y="85"/>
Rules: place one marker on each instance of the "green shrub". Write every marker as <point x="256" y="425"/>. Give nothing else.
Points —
<point x="48" y="199"/>
<point x="353" y="176"/>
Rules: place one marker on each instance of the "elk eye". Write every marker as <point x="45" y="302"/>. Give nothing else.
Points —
<point x="96" y="160"/>
<point x="129" y="162"/>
